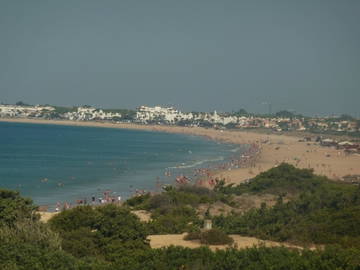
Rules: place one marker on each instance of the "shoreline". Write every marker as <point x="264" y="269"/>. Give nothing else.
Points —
<point x="273" y="149"/>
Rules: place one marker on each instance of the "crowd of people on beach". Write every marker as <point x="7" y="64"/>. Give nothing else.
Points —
<point x="199" y="176"/>
<point x="209" y="176"/>
<point x="206" y="176"/>
<point x="108" y="197"/>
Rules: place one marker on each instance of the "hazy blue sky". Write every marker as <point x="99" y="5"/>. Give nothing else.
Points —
<point x="202" y="55"/>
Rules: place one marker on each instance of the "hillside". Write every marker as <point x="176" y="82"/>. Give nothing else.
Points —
<point x="321" y="211"/>
<point x="308" y="209"/>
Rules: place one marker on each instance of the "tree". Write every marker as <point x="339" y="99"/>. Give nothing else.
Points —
<point x="285" y="114"/>
<point x="20" y="103"/>
<point x="101" y="231"/>
<point x="346" y="117"/>
<point x="14" y="208"/>
<point x="119" y="223"/>
<point x="242" y="112"/>
<point x="25" y="242"/>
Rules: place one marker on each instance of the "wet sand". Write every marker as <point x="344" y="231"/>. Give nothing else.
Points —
<point x="274" y="149"/>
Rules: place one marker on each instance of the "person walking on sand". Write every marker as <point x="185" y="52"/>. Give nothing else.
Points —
<point x="57" y="208"/>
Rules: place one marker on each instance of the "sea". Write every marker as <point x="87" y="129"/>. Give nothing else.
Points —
<point x="56" y="163"/>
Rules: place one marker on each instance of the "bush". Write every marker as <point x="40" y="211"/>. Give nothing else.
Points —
<point x="173" y="220"/>
<point x="14" y="208"/>
<point x="73" y="219"/>
<point x="32" y="245"/>
<point x="215" y="237"/>
<point x="82" y="242"/>
<point x="325" y="213"/>
<point x="192" y="236"/>
<point x="196" y="190"/>
<point x="34" y="232"/>
<point x="159" y="201"/>
<point x="284" y="178"/>
<point x="169" y="224"/>
<point x="210" y="237"/>
<point x="119" y="223"/>
<point x="139" y="202"/>
<point x="88" y="231"/>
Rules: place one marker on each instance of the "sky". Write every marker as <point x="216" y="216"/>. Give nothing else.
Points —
<point x="197" y="55"/>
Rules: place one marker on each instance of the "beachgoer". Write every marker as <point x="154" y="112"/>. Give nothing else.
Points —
<point x="57" y="208"/>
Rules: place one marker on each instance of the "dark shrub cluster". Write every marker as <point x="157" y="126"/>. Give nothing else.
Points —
<point x="210" y="237"/>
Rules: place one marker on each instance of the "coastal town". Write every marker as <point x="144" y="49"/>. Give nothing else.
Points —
<point x="318" y="129"/>
<point x="279" y="122"/>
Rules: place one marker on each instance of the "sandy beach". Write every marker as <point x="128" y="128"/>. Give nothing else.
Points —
<point x="274" y="149"/>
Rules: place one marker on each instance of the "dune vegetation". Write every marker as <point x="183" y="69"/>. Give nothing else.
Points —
<point x="310" y="210"/>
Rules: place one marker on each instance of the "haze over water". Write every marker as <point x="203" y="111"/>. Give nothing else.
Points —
<point x="51" y="163"/>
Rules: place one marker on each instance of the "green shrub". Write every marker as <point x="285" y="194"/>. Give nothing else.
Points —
<point x="32" y="245"/>
<point x="215" y="237"/>
<point x="119" y="223"/>
<point x="210" y="237"/>
<point x="192" y="235"/>
<point x="173" y="220"/>
<point x="34" y="232"/>
<point x="75" y="218"/>
<point x="88" y="231"/>
<point x="165" y="224"/>
<point x="162" y="200"/>
<point x="14" y="208"/>
<point x="82" y="242"/>
<point x="139" y="202"/>
<point x="324" y="212"/>
<point x="284" y="178"/>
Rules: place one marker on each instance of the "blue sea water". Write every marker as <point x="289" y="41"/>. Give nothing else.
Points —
<point x="53" y="163"/>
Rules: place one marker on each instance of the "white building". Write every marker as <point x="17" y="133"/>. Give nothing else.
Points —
<point x="90" y="113"/>
<point x="169" y="115"/>
<point x="24" y="111"/>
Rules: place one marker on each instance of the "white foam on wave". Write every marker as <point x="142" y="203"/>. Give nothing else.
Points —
<point x="196" y="163"/>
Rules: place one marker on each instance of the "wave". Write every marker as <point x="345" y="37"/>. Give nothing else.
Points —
<point x="196" y="163"/>
<point x="235" y="149"/>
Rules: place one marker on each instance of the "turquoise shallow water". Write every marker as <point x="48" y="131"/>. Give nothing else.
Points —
<point x="52" y="163"/>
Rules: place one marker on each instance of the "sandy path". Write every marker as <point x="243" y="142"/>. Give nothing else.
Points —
<point x="143" y="215"/>
<point x="45" y="216"/>
<point x="159" y="241"/>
